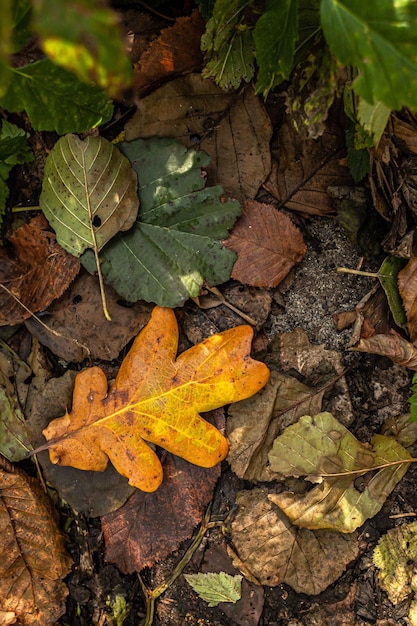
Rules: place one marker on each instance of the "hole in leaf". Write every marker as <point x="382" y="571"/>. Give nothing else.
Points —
<point x="96" y="221"/>
<point x="77" y="299"/>
<point x="125" y="304"/>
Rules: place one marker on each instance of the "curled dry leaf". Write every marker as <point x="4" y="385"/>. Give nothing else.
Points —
<point x="407" y="285"/>
<point x="267" y="243"/>
<point x="34" y="560"/>
<point x="175" y="51"/>
<point x="234" y="131"/>
<point x="35" y="269"/>
<point x="276" y="552"/>
<point x="156" y="398"/>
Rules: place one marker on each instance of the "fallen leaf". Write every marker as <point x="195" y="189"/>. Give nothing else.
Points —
<point x="304" y="168"/>
<point x="276" y="552"/>
<point x="14" y="437"/>
<point x="234" y="131"/>
<point x="216" y="587"/>
<point x="407" y="284"/>
<point x="88" y="192"/>
<point x="35" y="269"/>
<point x="267" y="243"/>
<point x="34" y="560"/>
<point x="92" y="493"/>
<point x="175" y="51"/>
<point x="253" y="424"/>
<point x="318" y="446"/>
<point x="176" y="242"/>
<point x="395" y="556"/>
<point x="73" y="337"/>
<point x="156" y="399"/>
<point x="152" y="525"/>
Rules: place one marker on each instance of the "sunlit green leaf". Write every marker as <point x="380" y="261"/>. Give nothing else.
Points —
<point x="214" y="588"/>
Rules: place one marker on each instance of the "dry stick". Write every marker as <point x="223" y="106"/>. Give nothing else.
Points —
<point x="45" y="326"/>
<point x="152" y="594"/>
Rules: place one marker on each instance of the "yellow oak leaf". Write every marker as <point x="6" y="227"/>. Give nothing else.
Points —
<point x="156" y="398"/>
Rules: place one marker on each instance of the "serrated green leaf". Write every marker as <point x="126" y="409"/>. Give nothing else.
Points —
<point x="88" y="192"/>
<point x="14" y="437"/>
<point x="84" y="37"/>
<point x="14" y="148"/>
<point x="55" y="99"/>
<point x="275" y="35"/>
<point x="374" y="118"/>
<point x="214" y="588"/>
<point x="176" y="242"/>
<point x="228" y="45"/>
<point x="379" y="38"/>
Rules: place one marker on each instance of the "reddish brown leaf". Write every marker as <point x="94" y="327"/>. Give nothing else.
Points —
<point x="34" y="560"/>
<point x="268" y="245"/>
<point x="304" y="168"/>
<point x="407" y="284"/>
<point x="152" y="525"/>
<point x="175" y="51"/>
<point x="35" y="268"/>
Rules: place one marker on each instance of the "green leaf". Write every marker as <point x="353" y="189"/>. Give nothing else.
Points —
<point x="14" y="437"/>
<point x="388" y="277"/>
<point x="215" y="588"/>
<point x="275" y="35"/>
<point x="88" y="192"/>
<point x="84" y="36"/>
<point x="320" y="446"/>
<point x="374" y="118"/>
<point x="55" y="99"/>
<point x="176" y="242"/>
<point x="5" y="44"/>
<point x="395" y="556"/>
<point x="228" y="45"/>
<point x="22" y="27"/>
<point x="379" y="38"/>
<point x="413" y="400"/>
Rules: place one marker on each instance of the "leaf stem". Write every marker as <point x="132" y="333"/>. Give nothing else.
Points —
<point x="153" y="594"/>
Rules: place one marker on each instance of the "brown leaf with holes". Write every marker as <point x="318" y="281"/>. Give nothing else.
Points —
<point x="175" y="51"/>
<point x="34" y="560"/>
<point x="267" y="243"/>
<point x="152" y="525"/>
<point x="304" y="168"/>
<point x="35" y="269"/>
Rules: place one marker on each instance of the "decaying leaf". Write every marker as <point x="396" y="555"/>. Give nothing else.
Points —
<point x="276" y="552"/>
<point x="34" y="560"/>
<point x="152" y="525"/>
<point x="88" y="192"/>
<point x="234" y="131"/>
<point x="35" y="269"/>
<point x="69" y="332"/>
<point x="318" y="446"/>
<point x="14" y="437"/>
<point x="157" y="399"/>
<point x="304" y="168"/>
<point x="407" y="284"/>
<point x="175" y="51"/>
<point x="215" y="588"/>
<point x="395" y="557"/>
<point x="267" y="243"/>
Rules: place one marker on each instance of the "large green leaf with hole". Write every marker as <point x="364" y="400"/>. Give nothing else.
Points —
<point x="89" y="192"/>
<point x="379" y="39"/>
<point x="176" y="242"/>
<point x="55" y="99"/>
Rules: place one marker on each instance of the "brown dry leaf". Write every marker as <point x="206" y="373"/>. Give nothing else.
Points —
<point x="156" y="398"/>
<point x="175" y="51"/>
<point x="253" y="424"/>
<point x="407" y="285"/>
<point x="276" y="552"/>
<point x="234" y="130"/>
<point x="71" y="317"/>
<point x="34" y="560"/>
<point x="304" y="168"/>
<point x="267" y="243"/>
<point x="152" y="525"/>
<point x="35" y="269"/>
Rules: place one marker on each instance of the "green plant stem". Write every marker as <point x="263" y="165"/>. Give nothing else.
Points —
<point x="153" y="594"/>
<point x="22" y="209"/>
